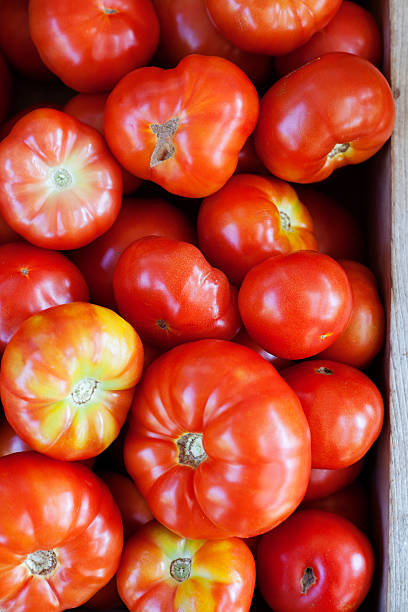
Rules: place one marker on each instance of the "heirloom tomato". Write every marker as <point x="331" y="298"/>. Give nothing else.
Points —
<point x="326" y="482"/>
<point x="68" y="377"/>
<point x="336" y="110"/>
<point x="182" y="128"/>
<point x="218" y="443"/>
<point x="61" y="534"/>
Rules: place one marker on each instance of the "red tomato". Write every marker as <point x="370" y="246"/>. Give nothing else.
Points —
<point x="138" y="217"/>
<point x="218" y="443"/>
<point x="63" y="539"/>
<point x="31" y="280"/>
<point x="242" y="337"/>
<point x="336" y="110"/>
<point x="250" y="219"/>
<point x="273" y="27"/>
<point x="10" y="123"/>
<point x="364" y="336"/>
<point x="90" y="45"/>
<point x="343" y="407"/>
<point x="353" y="29"/>
<point x="170" y="294"/>
<point x="325" y="482"/>
<point x="68" y="377"/>
<point x="182" y="128"/>
<point x="60" y="188"/>
<point x="161" y="571"/>
<point x="315" y="561"/>
<point x="295" y="305"/>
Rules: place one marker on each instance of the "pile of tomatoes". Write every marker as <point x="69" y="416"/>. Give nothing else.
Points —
<point x="185" y="323"/>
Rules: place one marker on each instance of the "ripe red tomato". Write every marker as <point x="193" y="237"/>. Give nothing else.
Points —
<point x="182" y="128"/>
<point x="336" y="110"/>
<point x="325" y="482"/>
<point x="170" y="294"/>
<point x="90" y="45"/>
<point x="250" y="219"/>
<point x="315" y="561"/>
<point x="218" y="443"/>
<point x="161" y="571"/>
<point x="295" y="305"/>
<point x="344" y="409"/>
<point x="60" y="187"/>
<point x="68" y="377"/>
<point x="62" y="540"/>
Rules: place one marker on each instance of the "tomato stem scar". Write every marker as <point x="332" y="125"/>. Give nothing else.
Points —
<point x="180" y="569"/>
<point x="41" y="562"/>
<point x="338" y="149"/>
<point x="164" y="148"/>
<point x="285" y="220"/>
<point x="62" y="178"/>
<point x="324" y="370"/>
<point x="308" y="579"/>
<point x="191" y="449"/>
<point x="83" y="390"/>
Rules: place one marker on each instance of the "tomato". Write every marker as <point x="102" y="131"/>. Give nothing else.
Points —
<point x="364" y="336"/>
<point x="344" y="409"/>
<point x="138" y="217"/>
<point x="218" y="443"/>
<point x="33" y="279"/>
<point x="182" y="128"/>
<point x="295" y="305"/>
<point x="325" y="482"/>
<point x="161" y="571"/>
<point x="67" y="379"/>
<point x="185" y="28"/>
<point x="353" y="29"/>
<point x="315" y="561"/>
<point x="242" y="337"/>
<point x="336" y="110"/>
<point x="60" y="187"/>
<point x="250" y="219"/>
<point x="272" y="27"/>
<point x="90" y="45"/>
<point x="62" y="540"/>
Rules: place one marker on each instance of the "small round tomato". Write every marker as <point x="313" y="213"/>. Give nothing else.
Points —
<point x="161" y="571"/>
<point x="336" y="110"/>
<point x="343" y="407"/>
<point x="325" y="482"/>
<point x="67" y="379"/>
<point x="295" y="305"/>
<point x="182" y="128"/>
<point x="250" y="219"/>
<point x="60" y="187"/>
<point x="315" y="561"/>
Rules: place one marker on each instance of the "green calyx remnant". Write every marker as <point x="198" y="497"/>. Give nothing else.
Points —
<point x="180" y="569"/>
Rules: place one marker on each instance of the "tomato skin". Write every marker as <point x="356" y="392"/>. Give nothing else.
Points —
<point x="10" y="442"/>
<point x="212" y="107"/>
<point x="89" y="47"/>
<point x="217" y="388"/>
<point x="344" y="409"/>
<point x="325" y="482"/>
<point x="60" y="187"/>
<point x="294" y="305"/>
<point x="67" y="379"/>
<point x="221" y="578"/>
<point x="353" y="29"/>
<point x="72" y="514"/>
<point x="339" y="554"/>
<point x="170" y="294"/>
<point x="362" y="122"/>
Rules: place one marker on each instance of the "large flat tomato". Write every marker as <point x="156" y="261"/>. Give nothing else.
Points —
<point x="61" y="534"/>
<point x="68" y="377"/>
<point x="182" y="128"/>
<point x="60" y="187"/>
<point x="336" y="110"/>
<point x="218" y="443"/>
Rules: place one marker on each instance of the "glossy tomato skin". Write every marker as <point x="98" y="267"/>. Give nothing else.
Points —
<point x="214" y="416"/>
<point x="250" y="219"/>
<point x="315" y="561"/>
<point x="353" y="29"/>
<point x="170" y="294"/>
<point x="344" y="409"/>
<point x="273" y="27"/>
<point x="60" y="187"/>
<point x="90" y="46"/>
<point x="294" y="305"/>
<point x="218" y="576"/>
<point x="325" y="482"/>
<point x="346" y="111"/>
<point x="182" y="128"/>
<point x="31" y="280"/>
<point x="68" y="377"/>
<point x="73" y="518"/>
<point x="138" y="217"/>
